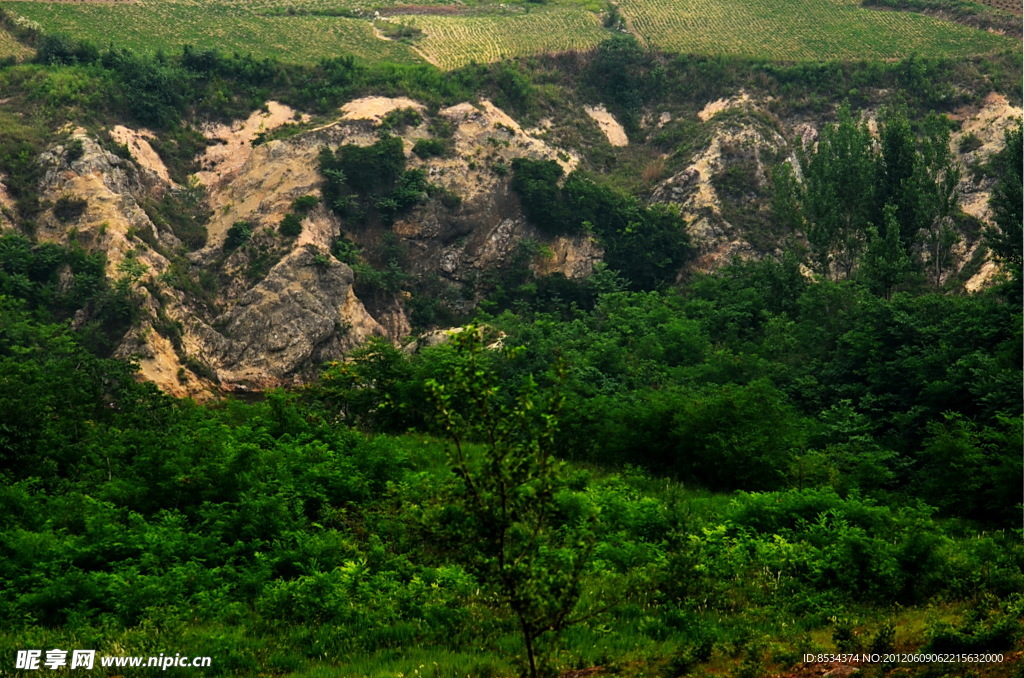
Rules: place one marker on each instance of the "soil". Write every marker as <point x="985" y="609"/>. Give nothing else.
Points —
<point x="611" y="127"/>
<point x="375" y="108"/>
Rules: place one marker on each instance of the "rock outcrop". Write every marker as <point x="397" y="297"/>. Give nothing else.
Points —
<point x="271" y="312"/>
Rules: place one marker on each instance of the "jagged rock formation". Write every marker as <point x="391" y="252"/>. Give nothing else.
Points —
<point x="270" y="314"/>
<point x="751" y="139"/>
<point x="303" y="313"/>
<point x="277" y="328"/>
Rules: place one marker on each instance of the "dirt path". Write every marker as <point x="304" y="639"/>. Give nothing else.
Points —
<point x="629" y="25"/>
<point x="419" y="52"/>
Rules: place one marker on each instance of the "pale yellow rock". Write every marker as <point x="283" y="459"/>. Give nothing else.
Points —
<point x="610" y="127"/>
<point x="142" y="152"/>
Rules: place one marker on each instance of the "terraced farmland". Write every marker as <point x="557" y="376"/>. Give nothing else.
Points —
<point x="169" y="24"/>
<point x="453" y="41"/>
<point x="301" y="31"/>
<point x="799" y="30"/>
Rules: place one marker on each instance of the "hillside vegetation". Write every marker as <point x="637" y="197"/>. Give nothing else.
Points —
<point x="679" y="353"/>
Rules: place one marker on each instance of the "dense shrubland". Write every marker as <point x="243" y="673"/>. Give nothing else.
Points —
<point x="300" y="531"/>
<point x="722" y="471"/>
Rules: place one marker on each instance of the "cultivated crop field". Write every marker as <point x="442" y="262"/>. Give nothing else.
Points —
<point x="169" y="24"/>
<point x="800" y="30"/>
<point x="453" y="41"/>
<point x="454" y="35"/>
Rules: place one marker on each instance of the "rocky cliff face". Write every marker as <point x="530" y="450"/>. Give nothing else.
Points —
<point x="253" y="329"/>
<point x="269" y="313"/>
<point x="746" y="138"/>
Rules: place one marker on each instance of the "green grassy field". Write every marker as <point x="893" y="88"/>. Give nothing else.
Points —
<point x="799" y="30"/>
<point x="794" y="30"/>
<point x="169" y="24"/>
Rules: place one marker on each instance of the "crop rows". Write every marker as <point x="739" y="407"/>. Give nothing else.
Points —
<point x="301" y="31"/>
<point x="453" y="41"/>
<point x="1012" y="6"/>
<point x="152" y="25"/>
<point x="799" y="30"/>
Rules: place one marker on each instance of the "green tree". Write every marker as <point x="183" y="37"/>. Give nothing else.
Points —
<point x="896" y="174"/>
<point x="238" y="235"/>
<point x="837" y="195"/>
<point x="619" y="72"/>
<point x="937" y="177"/>
<point x="886" y="263"/>
<point x="367" y="388"/>
<point x="503" y="512"/>
<point x="1007" y="241"/>
<point x="291" y="225"/>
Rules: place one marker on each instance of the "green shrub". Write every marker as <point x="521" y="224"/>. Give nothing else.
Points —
<point x="430" y="148"/>
<point x="371" y="168"/>
<point x="536" y="183"/>
<point x="291" y="225"/>
<point x="970" y="143"/>
<point x="238" y="234"/>
<point x="68" y="208"/>
<point x="74" y="149"/>
<point x="400" y="118"/>
<point x="303" y="204"/>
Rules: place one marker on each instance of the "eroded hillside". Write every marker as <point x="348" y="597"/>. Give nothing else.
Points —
<point x="235" y="304"/>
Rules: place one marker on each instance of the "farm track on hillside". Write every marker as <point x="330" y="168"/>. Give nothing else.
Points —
<point x="799" y="30"/>
<point x="147" y="26"/>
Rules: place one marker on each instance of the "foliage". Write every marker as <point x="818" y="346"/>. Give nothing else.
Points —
<point x="303" y="204"/>
<point x="502" y="511"/>
<point x="853" y="193"/>
<point x="430" y="148"/>
<point x="619" y="73"/>
<point x="291" y="225"/>
<point x="873" y="428"/>
<point x="57" y="282"/>
<point x="647" y="245"/>
<point x="401" y="118"/>
<point x="238" y="234"/>
<point x="68" y="208"/>
<point x="1006" y="207"/>
<point x="536" y="182"/>
<point x="242" y="530"/>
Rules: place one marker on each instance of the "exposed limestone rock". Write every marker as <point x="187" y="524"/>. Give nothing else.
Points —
<point x="610" y="127"/>
<point x="233" y="143"/>
<point x="716" y="107"/>
<point x="7" y="206"/>
<point x="988" y="124"/>
<point x="573" y="257"/>
<point x="137" y="143"/>
<point x="716" y="240"/>
<point x="302" y="314"/>
<point x="375" y="108"/>
<point x="253" y="333"/>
